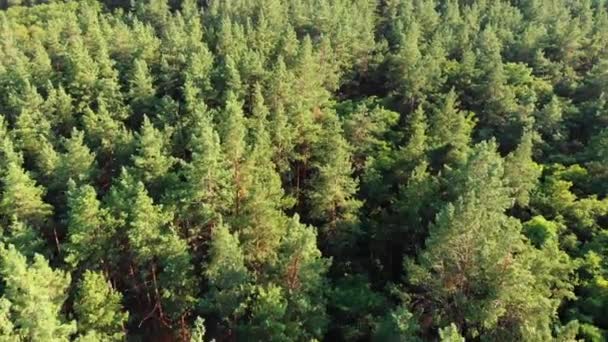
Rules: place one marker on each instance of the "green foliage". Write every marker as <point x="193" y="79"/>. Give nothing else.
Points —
<point x="90" y="228"/>
<point x="262" y="170"/>
<point x="450" y="334"/>
<point x="99" y="309"/>
<point x="227" y="276"/>
<point x="151" y="158"/>
<point x="332" y="197"/>
<point x="34" y="295"/>
<point x="397" y="325"/>
<point x="198" y="330"/>
<point x="521" y="171"/>
<point x="473" y="239"/>
<point x="540" y="231"/>
<point x="22" y="198"/>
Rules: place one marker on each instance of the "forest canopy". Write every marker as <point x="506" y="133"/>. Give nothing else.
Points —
<point x="304" y="170"/>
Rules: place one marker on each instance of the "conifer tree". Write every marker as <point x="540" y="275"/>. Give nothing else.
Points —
<point x="78" y="162"/>
<point x="36" y="294"/>
<point x="397" y="325"/>
<point x="303" y="271"/>
<point x="417" y="144"/>
<point x="82" y="73"/>
<point x="208" y="177"/>
<point x="90" y="228"/>
<point x="151" y="159"/>
<point x="457" y="267"/>
<point x="22" y="198"/>
<point x="233" y="141"/>
<point x="154" y="248"/>
<point x="521" y="171"/>
<point x="407" y="64"/>
<point x="227" y="276"/>
<point x="107" y="135"/>
<point x="8" y="154"/>
<point x="260" y="219"/>
<point x="450" y="334"/>
<point x="141" y="92"/>
<point x="98" y="309"/>
<point x="59" y="103"/>
<point x="27" y="240"/>
<point x="279" y="94"/>
<point x="7" y="333"/>
<point x="198" y="330"/>
<point x="332" y="197"/>
<point x="451" y="128"/>
<point x="31" y="124"/>
<point x="268" y="313"/>
<point x="232" y="80"/>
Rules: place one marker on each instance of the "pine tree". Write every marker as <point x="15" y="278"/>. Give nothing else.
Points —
<point x="407" y="66"/>
<point x="332" y="197"/>
<point x="147" y="223"/>
<point x="198" y="330"/>
<point x="451" y="128"/>
<point x="36" y="294"/>
<point x="82" y="73"/>
<point x="496" y="97"/>
<point x="260" y="219"/>
<point x="268" y="313"/>
<point x="475" y="257"/>
<point x="8" y="154"/>
<point x="227" y="276"/>
<point x="78" y="162"/>
<point x="156" y="247"/>
<point x="22" y="199"/>
<point x="47" y="162"/>
<point x="27" y="240"/>
<point x="31" y="125"/>
<point x="397" y="325"/>
<point x="7" y="328"/>
<point x="234" y="144"/>
<point x="417" y="144"/>
<point x="282" y="135"/>
<point x="41" y="64"/>
<point x="151" y="159"/>
<point x="199" y="71"/>
<point x="59" y="103"/>
<point x="90" y="228"/>
<point x="98" y="309"/>
<point x="302" y="270"/>
<point x="209" y="186"/>
<point x="142" y="91"/>
<point x="232" y="80"/>
<point x="450" y="334"/>
<point x="367" y="127"/>
<point x="521" y="171"/>
<point x="153" y="248"/>
<point x="107" y="135"/>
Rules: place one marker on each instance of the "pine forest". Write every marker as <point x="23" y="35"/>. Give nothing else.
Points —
<point x="303" y="170"/>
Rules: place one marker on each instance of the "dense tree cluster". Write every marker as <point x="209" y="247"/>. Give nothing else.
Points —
<point x="304" y="170"/>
